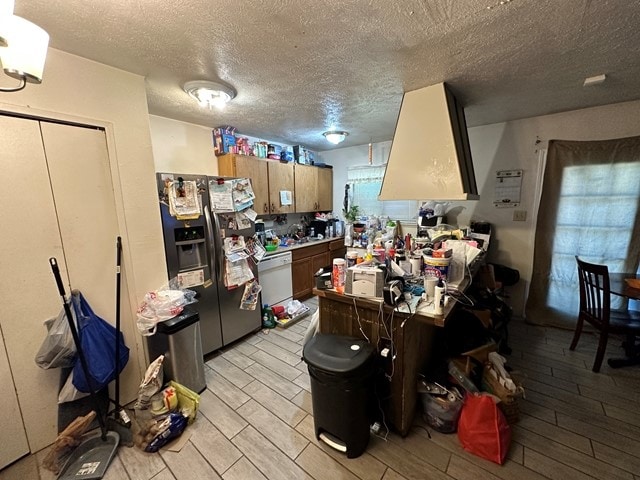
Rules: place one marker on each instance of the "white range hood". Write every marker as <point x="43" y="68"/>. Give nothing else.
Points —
<point x="430" y="157"/>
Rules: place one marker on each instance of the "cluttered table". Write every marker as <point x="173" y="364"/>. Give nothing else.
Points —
<point x="406" y="332"/>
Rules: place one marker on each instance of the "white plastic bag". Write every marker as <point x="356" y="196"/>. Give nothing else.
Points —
<point x="160" y="305"/>
<point x="58" y="349"/>
<point x="69" y="393"/>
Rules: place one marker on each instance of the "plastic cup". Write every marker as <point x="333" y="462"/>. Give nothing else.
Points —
<point x="430" y="283"/>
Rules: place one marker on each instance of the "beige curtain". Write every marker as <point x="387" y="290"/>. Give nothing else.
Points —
<point x="590" y="208"/>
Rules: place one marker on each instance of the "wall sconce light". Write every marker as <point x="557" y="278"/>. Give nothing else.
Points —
<point x="23" y="47"/>
<point x="210" y="94"/>
<point x="335" y="136"/>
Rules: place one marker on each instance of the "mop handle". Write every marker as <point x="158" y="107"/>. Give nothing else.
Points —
<point x="56" y="273"/>
<point x="118" y="407"/>
<point x="76" y="339"/>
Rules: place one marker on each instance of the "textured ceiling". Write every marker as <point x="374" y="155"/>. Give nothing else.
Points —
<point x="303" y="66"/>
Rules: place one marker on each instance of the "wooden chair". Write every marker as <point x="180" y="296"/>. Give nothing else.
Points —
<point x="595" y="308"/>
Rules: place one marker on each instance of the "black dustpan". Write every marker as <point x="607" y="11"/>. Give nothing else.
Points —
<point x="92" y="457"/>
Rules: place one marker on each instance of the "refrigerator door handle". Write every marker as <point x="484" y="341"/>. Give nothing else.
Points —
<point x="211" y="241"/>
<point x="220" y="250"/>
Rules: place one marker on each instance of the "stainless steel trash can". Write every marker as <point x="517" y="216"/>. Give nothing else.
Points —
<point x="178" y="339"/>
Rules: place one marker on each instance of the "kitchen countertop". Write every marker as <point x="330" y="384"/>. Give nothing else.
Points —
<point x="296" y="246"/>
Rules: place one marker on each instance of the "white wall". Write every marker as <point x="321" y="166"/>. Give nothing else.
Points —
<point x="80" y="90"/>
<point x="510" y="145"/>
<point x="182" y="147"/>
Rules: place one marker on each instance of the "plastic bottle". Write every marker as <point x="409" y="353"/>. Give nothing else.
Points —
<point x="369" y="256"/>
<point x="438" y="298"/>
<point x="339" y="274"/>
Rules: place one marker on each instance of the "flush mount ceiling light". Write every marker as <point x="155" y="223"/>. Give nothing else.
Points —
<point x="335" y="136"/>
<point x="23" y="47"/>
<point x="210" y="94"/>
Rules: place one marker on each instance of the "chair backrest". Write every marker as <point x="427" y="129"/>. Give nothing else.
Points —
<point x="595" y="294"/>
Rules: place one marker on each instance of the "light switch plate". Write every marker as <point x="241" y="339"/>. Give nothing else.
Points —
<point x="519" y="215"/>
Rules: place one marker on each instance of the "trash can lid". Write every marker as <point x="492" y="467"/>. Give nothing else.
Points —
<point x="336" y="353"/>
<point x="186" y="318"/>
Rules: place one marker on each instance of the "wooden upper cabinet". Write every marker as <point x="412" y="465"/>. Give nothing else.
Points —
<point x="311" y="187"/>
<point x="325" y="189"/>
<point x="281" y="178"/>
<point x="306" y="188"/>
<point x="256" y="170"/>
<point x="314" y="189"/>
<point x="230" y="165"/>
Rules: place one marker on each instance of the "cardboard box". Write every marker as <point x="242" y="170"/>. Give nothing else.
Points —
<point x="300" y="154"/>
<point x="224" y="141"/>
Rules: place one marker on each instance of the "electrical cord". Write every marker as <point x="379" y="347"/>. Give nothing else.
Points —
<point x="355" y="307"/>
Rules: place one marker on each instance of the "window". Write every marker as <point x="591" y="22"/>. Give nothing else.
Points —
<point x="597" y="209"/>
<point x="589" y="207"/>
<point x="365" y="183"/>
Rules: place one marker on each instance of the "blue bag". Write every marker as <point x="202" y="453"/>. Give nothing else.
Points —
<point x="98" y="343"/>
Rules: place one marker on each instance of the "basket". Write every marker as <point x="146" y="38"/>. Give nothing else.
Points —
<point x="508" y="400"/>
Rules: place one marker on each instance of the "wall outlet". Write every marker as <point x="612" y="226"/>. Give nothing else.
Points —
<point x="519" y="215"/>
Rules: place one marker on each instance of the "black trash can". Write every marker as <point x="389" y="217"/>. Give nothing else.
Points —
<point x="178" y="339"/>
<point x="341" y="370"/>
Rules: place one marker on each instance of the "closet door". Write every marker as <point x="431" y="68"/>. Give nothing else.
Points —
<point x="83" y="190"/>
<point x="29" y="237"/>
<point x="60" y="202"/>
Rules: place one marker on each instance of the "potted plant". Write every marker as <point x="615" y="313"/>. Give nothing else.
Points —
<point x="352" y="214"/>
<point x="352" y="217"/>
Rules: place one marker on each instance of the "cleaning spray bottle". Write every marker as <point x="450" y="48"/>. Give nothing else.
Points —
<point x="438" y="298"/>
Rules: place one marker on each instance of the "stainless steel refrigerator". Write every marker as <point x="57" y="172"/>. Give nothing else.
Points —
<point x="194" y="249"/>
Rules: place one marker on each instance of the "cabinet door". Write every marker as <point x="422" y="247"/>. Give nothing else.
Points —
<point x="325" y="189"/>
<point x="256" y="170"/>
<point x="318" y="262"/>
<point x="280" y="179"/>
<point x="337" y="249"/>
<point x="306" y="188"/>
<point x="302" y="278"/>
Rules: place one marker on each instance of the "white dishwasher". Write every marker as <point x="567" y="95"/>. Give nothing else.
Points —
<point x="274" y="275"/>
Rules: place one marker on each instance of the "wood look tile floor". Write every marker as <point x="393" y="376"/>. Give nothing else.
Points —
<point x="255" y="422"/>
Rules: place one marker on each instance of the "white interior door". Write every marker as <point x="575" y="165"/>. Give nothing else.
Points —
<point x="29" y="237"/>
<point x="59" y="203"/>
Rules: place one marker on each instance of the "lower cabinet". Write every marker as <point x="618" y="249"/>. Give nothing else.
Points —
<point x="337" y="249"/>
<point x="305" y="263"/>
<point x="301" y="278"/>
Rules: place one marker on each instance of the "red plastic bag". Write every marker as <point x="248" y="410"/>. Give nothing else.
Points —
<point x="483" y="430"/>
